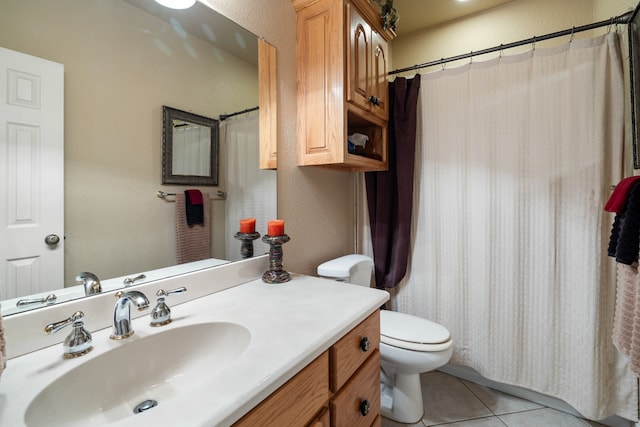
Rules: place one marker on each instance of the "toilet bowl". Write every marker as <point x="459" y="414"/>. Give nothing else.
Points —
<point x="409" y="345"/>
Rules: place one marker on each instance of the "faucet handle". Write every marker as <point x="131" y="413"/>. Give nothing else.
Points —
<point x="161" y="314"/>
<point x="78" y="342"/>
<point x="49" y="300"/>
<point x="130" y="280"/>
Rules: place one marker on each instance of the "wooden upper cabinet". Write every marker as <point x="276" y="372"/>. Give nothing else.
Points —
<point x="379" y="82"/>
<point x="342" y="54"/>
<point x="367" y="85"/>
<point x="267" y="102"/>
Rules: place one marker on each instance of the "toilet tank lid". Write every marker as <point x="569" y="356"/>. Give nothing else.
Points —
<point x="412" y="329"/>
<point x="344" y="266"/>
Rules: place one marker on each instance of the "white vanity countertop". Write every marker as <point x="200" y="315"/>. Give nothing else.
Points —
<point x="290" y="324"/>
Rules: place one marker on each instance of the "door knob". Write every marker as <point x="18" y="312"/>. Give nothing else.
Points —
<point x="52" y="239"/>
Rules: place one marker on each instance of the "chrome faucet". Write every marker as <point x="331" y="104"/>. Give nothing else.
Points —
<point x="91" y="283"/>
<point x="78" y="342"/>
<point x="122" y="312"/>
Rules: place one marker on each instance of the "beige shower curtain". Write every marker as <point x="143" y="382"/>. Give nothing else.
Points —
<point x="515" y="163"/>
<point x="251" y="191"/>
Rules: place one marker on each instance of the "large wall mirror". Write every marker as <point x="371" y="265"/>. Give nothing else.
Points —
<point x="123" y="61"/>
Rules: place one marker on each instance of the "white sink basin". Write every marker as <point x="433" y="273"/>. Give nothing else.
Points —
<point x="157" y="367"/>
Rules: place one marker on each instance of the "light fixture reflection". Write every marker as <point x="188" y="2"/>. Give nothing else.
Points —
<point x="177" y="4"/>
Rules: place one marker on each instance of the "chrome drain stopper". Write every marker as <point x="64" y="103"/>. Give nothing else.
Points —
<point x="145" y="406"/>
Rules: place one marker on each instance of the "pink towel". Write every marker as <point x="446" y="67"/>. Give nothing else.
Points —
<point x="193" y="242"/>
<point x="626" y="323"/>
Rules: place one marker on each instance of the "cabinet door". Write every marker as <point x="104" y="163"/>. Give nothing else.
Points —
<point x="322" y="420"/>
<point x="320" y="50"/>
<point x="379" y="85"/>
<point x="358" y="59"/>
<point x="296" y="402"/>
<point x="267" y="102"/>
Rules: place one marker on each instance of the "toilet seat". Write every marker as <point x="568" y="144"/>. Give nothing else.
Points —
<point x="412" y="333"/>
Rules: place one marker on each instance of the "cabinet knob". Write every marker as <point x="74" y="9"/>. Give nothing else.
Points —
<point x="365" y="344"/>
<point x="365" y="407"/>
<point x="374" y="100"/>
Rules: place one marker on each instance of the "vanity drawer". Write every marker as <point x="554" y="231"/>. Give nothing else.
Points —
<point x="352" y="350"/>
<point x="357" y="404"/>
<point x="298" y="400"/>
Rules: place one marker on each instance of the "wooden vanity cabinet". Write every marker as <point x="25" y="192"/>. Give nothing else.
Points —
<point x="297" y="402"/>
<point x="354" y="375"/>
<point x="342" y="55"/>
<point x="341" y="388"/>
<point x="322" y="420"/>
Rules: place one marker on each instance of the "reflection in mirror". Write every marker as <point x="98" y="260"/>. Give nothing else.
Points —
<point x="123" y="60"/>
<point x="189" y="148"/>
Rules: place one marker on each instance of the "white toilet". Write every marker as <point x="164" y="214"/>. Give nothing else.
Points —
<point x="409" y="345"/>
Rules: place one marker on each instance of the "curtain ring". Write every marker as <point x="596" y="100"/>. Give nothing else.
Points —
<point x="471" y="57"/>
<point x="533" y="44"/>
<point x="501" y="51"/>
<point x="572" y="34"/>
<point x="442" y="63"/>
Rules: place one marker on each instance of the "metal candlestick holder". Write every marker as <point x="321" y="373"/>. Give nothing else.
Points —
<point x="275" y="274"/>
<point x="246" y="247"/>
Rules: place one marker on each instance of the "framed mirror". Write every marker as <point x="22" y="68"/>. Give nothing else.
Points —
<point x="190" y="148"/>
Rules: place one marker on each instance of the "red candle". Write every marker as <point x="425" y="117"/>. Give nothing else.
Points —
<point x="248" y="225"/>
<point x="275" y="227"/>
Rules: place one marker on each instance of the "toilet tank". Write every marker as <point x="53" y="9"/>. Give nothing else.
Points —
<point x="356" y="269"/>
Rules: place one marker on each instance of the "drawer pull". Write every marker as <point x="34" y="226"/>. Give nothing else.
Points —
<point x="365" y="344"/>
<point x="364" y="407"/>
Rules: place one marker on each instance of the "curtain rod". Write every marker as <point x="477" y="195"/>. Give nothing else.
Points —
<point x="226" y="116"/>
<point x="622" y="19"/>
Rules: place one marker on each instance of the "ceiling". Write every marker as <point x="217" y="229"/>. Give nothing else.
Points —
<point x="419" y="14"/>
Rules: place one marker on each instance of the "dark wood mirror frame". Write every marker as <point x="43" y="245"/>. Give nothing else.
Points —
<point x="168" y="177"/>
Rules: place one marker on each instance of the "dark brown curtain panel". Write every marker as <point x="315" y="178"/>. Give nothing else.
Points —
<point x="390" y="193"/>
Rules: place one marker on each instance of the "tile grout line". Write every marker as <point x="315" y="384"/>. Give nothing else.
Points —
<point x="467" y="419"/>
<point x="476" y="396"/>
<point x="506" y="413"/>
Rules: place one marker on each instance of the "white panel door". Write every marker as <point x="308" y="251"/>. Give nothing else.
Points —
<point x="31" y="174"/>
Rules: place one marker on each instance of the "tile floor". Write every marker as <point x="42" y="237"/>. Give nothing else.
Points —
<point x="452" y="402"/>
